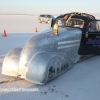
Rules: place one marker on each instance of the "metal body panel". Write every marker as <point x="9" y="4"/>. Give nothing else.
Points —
<point x="68" y="41"/>
<point x="46" y="55"/>
<point x="11" y="62"/>
<point x="45" y="66"/>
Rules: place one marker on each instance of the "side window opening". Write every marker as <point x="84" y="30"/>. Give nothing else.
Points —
<point x="41" y="15"/>
<point x="48" y="16"/>
<point x="94" y="26"/>
<point x="73" y="22"/>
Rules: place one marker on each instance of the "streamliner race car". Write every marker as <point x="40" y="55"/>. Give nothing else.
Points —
<point x="71" y="39"/>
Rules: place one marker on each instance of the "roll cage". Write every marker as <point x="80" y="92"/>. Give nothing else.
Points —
<point x="83" y="16"/>
<point x="67" y="15"/>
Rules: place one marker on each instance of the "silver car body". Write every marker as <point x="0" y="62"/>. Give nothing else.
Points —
<point x="54" y="51"/>
<point x="44" y="56"/>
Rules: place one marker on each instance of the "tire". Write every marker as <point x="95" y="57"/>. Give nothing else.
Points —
<point x="40" y="21"/>
<point x="48" y="21"/>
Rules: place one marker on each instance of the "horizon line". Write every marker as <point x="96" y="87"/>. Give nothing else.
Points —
<point x="39" y="14"/>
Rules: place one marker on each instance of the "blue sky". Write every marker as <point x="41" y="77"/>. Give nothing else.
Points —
<point x="48" y="6"/>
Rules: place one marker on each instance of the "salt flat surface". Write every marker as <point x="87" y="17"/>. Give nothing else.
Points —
<point x="81" y="82"/>
<point x="21" y="24"/>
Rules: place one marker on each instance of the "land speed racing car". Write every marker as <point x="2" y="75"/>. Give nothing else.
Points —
<point x="47" y="55"/>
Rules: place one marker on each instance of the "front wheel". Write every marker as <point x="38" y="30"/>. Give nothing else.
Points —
<point x="57" y="66"/>
<point x="48" y="21"/>
<point x="40" y="21"/>
<point x="54" y="68"/>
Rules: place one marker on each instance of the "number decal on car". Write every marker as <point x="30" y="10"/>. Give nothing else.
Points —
<point x="93" y="41"/>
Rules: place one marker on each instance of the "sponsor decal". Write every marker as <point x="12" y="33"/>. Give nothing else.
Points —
<point x="93" y="41"/>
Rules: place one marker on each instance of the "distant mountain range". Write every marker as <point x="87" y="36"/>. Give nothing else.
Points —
<point x="95" y="14"/>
